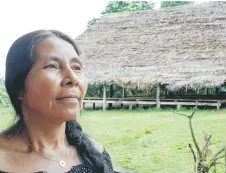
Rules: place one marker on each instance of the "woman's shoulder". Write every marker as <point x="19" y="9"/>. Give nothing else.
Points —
<point x="3" y="143"/>
<point x="9" y="145"/>
<point x="6" y="142"/>
<point x="4" y="153"/>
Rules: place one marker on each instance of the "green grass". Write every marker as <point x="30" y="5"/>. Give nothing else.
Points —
<point x="150" y="141"/>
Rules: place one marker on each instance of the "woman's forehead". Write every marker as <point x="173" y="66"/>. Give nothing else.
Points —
<point x="54" y="47"/>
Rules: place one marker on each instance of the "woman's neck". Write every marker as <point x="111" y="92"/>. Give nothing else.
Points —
<point x="44" y="134"/>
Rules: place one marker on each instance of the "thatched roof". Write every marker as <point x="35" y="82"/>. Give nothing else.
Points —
<point x="182" y="47"/>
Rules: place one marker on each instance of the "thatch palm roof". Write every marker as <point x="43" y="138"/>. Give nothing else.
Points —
<point x="182" y="47"/>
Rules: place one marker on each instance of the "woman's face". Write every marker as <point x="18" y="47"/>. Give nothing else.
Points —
<point x="56" y="84"/>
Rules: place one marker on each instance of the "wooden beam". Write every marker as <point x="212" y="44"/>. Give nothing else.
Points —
<point x="104" y="97"/>
<point x="217" y="103"/>
<point x="158" y="96"/>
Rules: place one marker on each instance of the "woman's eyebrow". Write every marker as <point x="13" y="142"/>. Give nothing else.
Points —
<point x="76" y="59"/>
<point x="72" y="60"/>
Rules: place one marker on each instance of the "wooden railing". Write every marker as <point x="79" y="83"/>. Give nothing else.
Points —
<point x="163" y="101"/>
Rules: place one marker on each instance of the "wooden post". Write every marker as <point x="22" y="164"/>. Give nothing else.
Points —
<point x="207" y="91"/>
<point x="166" y="93"/>
<point x="94" y="106"/>
<point x="178" y="107"/>
<point x="158" y="96"/>
<point x="123" y="95"/>
<point x="147" y="92"/>
<point x="217" y="91"/>
<point x="110" y="96"/>
<point x="198" y="91"/>
<point x="104" y="97"/>
<point x="218" y="105"/>
<point x="123" y="92"/>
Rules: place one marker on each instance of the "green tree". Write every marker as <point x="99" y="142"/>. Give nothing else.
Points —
<point x="122" y="6"/>
<point x="174" y="3"/>
<point x="4" y="98"/>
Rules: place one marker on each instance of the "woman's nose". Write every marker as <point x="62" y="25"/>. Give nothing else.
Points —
<point x="70" y="80"/>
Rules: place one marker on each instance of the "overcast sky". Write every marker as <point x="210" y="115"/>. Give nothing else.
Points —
<point x="18" y="17"/>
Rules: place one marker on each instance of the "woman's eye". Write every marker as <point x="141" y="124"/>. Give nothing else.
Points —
<point x="76" y="67"/>
<point x="51" y="66"/>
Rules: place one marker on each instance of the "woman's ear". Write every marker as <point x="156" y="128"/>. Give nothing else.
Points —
<point x="20" y="95"/>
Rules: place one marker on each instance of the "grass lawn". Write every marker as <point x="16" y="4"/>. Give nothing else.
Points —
<point x="150" y="141"/>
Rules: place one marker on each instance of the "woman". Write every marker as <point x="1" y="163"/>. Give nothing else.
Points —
<point x="46" y="85"/>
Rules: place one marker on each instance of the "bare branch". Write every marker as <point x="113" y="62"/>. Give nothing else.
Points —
<point x="193" y="152"/>
<point x="225" y="161"/>
<point x="220" y="157"/>
<point x="207" y="139"/>
<point x="217" y="154"/>
<point x="206" y="136"/>
<point x="192" y="131"/>
<point x="194" y="139"/>
<point x="181" y="114"/>
<point x="195" y="108"/>
<point x="219" y="163"/>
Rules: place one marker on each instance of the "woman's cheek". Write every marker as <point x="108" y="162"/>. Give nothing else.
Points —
<point x="83" y="83"/>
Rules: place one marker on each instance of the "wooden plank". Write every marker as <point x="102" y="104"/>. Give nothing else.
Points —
<point x="93" y="98"/>
<point x="188" y="103"/>
<point x="129" y="102"/>
<point x="153" y="99"/>
<point x="93" y="101"/>
<point x="176" y="102"/>
<point x="172" y="100"/>
<point x="146" y="103"/>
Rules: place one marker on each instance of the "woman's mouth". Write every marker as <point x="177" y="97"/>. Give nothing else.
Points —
<point x="68" y="99"/>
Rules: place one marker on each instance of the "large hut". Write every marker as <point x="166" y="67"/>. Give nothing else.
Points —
<point x="179" y="47"/>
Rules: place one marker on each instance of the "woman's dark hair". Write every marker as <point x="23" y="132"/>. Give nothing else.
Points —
<point x="18" y="63"/>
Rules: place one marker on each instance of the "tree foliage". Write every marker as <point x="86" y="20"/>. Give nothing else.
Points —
<point x="122" y="6"/>
<point x="174" y="3"/>
<point x="4" y="98"/>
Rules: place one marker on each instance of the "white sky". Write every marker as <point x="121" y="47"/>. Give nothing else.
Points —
<point x="18" y="17"/>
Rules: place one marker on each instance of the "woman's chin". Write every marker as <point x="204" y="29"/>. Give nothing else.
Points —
<point x="69" y="115"/>
<point x="68" y="118"/>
